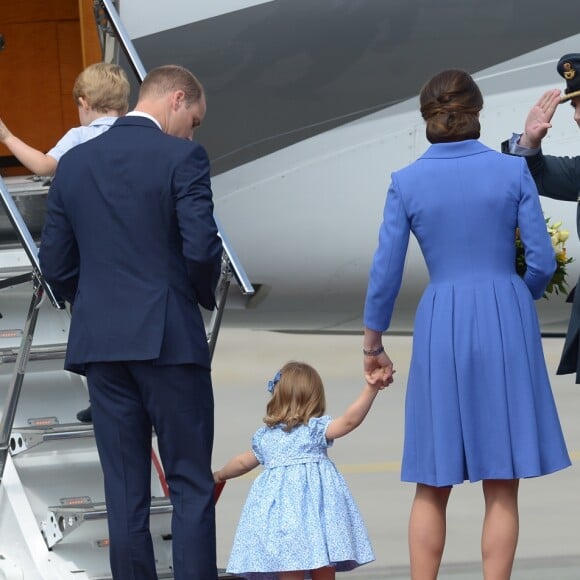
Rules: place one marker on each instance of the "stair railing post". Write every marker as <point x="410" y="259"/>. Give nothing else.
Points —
<point x="221" y="297"/>
<point x="13" y="394"/>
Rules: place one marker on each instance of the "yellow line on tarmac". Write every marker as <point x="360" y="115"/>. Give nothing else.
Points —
<point x="386" y="466"/>
<point x="391" y="466"/>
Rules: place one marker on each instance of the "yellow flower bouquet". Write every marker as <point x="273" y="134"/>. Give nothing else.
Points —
<point x="558" y="283"/>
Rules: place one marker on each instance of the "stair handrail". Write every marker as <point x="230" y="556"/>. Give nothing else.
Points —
<point x="123" y="38"/>
<point x="27" y="242"/>
<point x="231" y="265"/>
<point x="40" y="288"/>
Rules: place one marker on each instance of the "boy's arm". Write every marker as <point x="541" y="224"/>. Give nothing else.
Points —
<point x="236" y="466"/>
<point x="34" y="160"/>
<point x="354" y="415"/>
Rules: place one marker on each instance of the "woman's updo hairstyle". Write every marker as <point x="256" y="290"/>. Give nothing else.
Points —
<point x="450" y="105"/>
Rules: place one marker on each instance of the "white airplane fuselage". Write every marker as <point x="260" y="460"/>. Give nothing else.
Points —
<point x="311" y="106"/>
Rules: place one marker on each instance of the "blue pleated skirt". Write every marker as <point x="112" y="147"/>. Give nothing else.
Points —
<point x="479" y="402"/>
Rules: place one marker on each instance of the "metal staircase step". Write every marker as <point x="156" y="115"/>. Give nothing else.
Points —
<point x="25" y="438"/>
<point x="48" y="352"/>
<point x="63" y="519"/>
<point x="160" y="574"/>
<point x="222" y="574"/>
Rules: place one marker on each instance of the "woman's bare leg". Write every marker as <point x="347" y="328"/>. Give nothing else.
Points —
<point x="298" y="575"/>
<point x="427" y="527"/>
<point x="500" y="532"/>
<point x="326" y="573"/>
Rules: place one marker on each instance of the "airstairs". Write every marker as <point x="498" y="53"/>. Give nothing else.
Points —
<point x="53" y="522"/>
<point x="52" y="511"/>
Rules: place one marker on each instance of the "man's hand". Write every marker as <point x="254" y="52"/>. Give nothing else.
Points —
<point x="539" y="119"/>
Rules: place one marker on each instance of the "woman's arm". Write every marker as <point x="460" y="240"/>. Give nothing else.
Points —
<point x="539" y="253"/>
<point x="386" y="273"/>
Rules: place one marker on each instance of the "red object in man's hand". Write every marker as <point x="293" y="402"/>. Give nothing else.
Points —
<point x="218" y="490"/>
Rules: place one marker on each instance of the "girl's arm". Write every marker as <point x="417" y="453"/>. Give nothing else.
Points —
<point x="354" y="415"/>
<point x="236" y="466"/>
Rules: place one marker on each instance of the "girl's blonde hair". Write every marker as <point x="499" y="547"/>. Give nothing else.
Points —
<point x="297" y="397"/>
<point x="104" y="86"/>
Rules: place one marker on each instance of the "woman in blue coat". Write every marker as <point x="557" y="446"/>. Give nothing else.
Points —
<point x="479" y="404"/>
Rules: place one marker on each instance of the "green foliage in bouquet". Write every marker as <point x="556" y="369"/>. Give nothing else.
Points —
<point x="558" y="283"/>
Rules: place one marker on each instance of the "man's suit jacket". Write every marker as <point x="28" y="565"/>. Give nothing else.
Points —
<point x="130" y="239"/>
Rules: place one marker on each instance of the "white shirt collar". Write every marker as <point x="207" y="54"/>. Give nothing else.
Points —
<point x="146" y="115"/>
<point x="102" y="121"/>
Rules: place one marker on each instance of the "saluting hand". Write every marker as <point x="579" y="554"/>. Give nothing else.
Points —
<point x="539" y="119"/>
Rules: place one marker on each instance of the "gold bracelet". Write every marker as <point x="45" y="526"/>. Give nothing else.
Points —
<point x="375" y="352"/>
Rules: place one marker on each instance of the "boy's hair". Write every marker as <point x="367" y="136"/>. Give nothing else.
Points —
<point x="169" y="78"/>
<point x="104" y="86"/>
<point x="297" y="397"/>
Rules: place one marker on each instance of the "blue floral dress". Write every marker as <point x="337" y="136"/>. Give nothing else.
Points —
<point x="299" y="514"/>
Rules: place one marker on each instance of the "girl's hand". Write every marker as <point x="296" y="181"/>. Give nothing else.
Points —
<point x="381" y="377"/>
<point x="378" y="370"/>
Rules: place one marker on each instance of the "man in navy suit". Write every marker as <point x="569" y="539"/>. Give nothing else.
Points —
<point x="130" y="239"/>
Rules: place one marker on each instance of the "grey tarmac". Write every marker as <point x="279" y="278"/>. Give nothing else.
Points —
<point x="369" y="458"/>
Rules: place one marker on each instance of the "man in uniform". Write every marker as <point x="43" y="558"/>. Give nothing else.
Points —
<point x="556" y="177"/>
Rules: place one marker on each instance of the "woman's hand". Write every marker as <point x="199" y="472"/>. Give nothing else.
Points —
<point x="378" y="370"/>
<point x="375" y="358"/>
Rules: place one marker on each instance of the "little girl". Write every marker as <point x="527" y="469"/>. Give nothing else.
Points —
<point x="300" y="519"/>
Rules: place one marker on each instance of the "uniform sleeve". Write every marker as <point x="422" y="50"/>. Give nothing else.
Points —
<point x="386" y="272"/>
<point x="539" y="253"/>
<point x="318" y="426"/>
<point x="514" y="148"/>
<point x="556" y="177"/>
